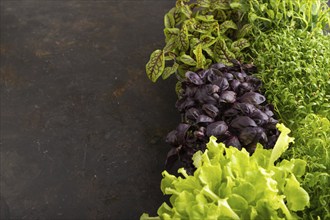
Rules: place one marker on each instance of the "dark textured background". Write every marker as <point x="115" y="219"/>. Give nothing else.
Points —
<point x="82" y="128"/>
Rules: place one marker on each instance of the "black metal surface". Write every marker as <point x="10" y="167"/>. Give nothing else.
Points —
<point x="82" y="127"/>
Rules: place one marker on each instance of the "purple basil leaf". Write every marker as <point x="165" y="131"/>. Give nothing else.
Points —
<point x="184" y="103"/>
<point x="181" y="132"/>
<point x="218" y="66"/>
<point x="199" y="134"/>
<point x="215" y="96"/>
<point x="244" y="87"/>
<point x="234" y="84"/>
<point x="216" y="129"/>
<point x="171" y="138"/>
<point x="228" y="76"/>
<point x="190" y="91"/>
<point x="242" y="122"/>
<point x="230" y="112"/>
<point x="204" y="119"/>
<point x="194" y="78"/>
<point x="261" y="136"/>
<point x="238" y="75"/>
<point x="203" y="74"/>
<point x="212" y="89"/>
<point x="273" y="121"/>
<point x="172" y="156"/>
<point x="271" y="141"/>
<point x="228" y="97"/>
<point x="222" y="82"/>
<point x="254" y="82"/>
<point x="210" y="110"/>
<point x="192" y="114"/>
<point x="253" y="98"/>
<point x="202" y="95"/>
<point x="211" y="77"/>
<point x="248" y="135"/>
<point x="268" y="109"/>
<point x="244" y="108"/>
<point x="233" y="141"/>
<point x="259" y="117"/>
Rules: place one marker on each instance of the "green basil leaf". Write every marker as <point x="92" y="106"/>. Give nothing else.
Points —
<point x="186" y="59"/>
<point x="246" y="29"/>
<point x="168" y="71"/>
<point x="183" y="39"/>
<point x="171" y="33"/>
<point x="194" y="42"/>
<point x="169" y="21"/>
<point x="199" y="56"/>
<point x="178" y="88"/>
<point x="207" y="41"/>
<point x="205" y="18"/>
<point x="204" y="28"/>
<point x="235" y="5"/>
<point x="209" y="52"/>
<point x="170" y="45"/>
<point x="240" y="44"/>
<point x="220" y="5"/>
<point x="227" y="25"/>
<point x="155" y="66"/>
<point x="177" y="16"/>
<point x="271" y="14"/>
<point x="204" y="3"/>
<point x="222" y="53"/>
<point x="185" y="10"/>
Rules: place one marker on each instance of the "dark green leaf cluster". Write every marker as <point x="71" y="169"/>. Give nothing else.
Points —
<point x="199" y="34"/>
<point x="208" y="31"/>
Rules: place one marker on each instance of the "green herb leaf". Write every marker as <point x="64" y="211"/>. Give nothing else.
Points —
<point x="169" y="21"/>
<point x="227" y="25"/>
<point x="171" y="33"/>
<point x="245" y="30"/>
<point x="168" y="71"/>
<point x="282" y="143"/>
<point x="183" y="39"/>
<point x="222" y="53"/>
<point x="240" y="44"/>
<point x="155" y="66"/>
<point x="186" y="59"/>
<point x="200" y="59"/>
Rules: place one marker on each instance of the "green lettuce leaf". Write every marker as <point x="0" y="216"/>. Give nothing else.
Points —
<point x="230" y="184"/>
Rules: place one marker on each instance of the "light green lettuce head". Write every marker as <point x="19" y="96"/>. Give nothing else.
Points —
<point x="231" y="184"/>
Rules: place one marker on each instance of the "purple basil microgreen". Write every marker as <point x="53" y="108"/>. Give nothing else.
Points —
<point x="253" y="98"/>
<point x="204" y="119"/>
<point x="210" y="110"/>
<point x="241" y="122"/>
<point x="228" y="97"/>
<point x="225" y="102"/>
<point x="194" y="78"/>
<point x="216" y="129"/>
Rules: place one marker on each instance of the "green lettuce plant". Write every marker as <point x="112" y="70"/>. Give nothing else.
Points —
<point x="314" y="149"/>
<point x="231" y="184"/>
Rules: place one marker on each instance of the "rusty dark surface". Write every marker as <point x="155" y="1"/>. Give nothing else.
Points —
<point x="82" y="128"/>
